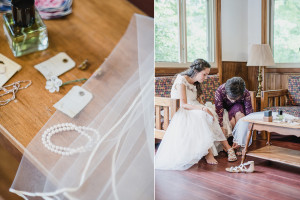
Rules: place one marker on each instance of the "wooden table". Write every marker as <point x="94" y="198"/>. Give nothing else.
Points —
<point x="90" y="32"/>
<point x="269" y="152"/>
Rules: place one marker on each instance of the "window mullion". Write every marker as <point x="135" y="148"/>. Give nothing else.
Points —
<point x="271" y="26"/>
<point x="182" y="31"/>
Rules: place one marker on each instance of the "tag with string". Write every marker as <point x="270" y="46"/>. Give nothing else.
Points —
<point x="73" y="102"/>
<point x="56" y="65"/>
<point x="7" y="69"/>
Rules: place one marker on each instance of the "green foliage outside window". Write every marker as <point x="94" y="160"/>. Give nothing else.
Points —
<point x="166" y="31"/>
<point x="167" y="39"/>
<point x="287" y="31"/>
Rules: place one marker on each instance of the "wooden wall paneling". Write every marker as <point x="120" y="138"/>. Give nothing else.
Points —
<point x="231" y="69"/>
<point x="278" y="83"/>
<point x="284" y="81"/>
<point x="252" y="78"/>
<point x="282" y="70"/>
<point x="267" y="77"/>
<point x="171" y="71"/>
<point x="278" y="78"/>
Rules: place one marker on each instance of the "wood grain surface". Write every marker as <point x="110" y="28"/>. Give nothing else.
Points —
<point x="274" y="123"/>
<point x="277" y="154"/>
<point x="90" y="32"/>
<point x="270" y="180"/>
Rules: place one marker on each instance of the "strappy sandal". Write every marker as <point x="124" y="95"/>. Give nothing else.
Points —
<point x="242" y="168"/>
<point x="231" y="155"/>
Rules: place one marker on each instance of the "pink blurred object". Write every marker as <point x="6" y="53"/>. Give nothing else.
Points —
<point x="51" y="9"/>
<point x="48" y="3"/>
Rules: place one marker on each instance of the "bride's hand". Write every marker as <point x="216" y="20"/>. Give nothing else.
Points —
<point x="208" y="111"/>
<point x="186" y="106"/>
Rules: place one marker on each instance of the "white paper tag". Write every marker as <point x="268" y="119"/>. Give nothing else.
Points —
<point x="73" y="102"/>
<point x="7" y="69"/>
<point x="56" y="65"/>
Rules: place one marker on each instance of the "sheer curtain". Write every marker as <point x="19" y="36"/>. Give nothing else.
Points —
<point x="120" y="164"/>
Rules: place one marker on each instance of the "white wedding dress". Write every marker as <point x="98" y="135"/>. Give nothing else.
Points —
<point x="190" y="134"/>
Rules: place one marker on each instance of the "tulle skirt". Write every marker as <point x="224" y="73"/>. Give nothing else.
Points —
<point x="188" y="138"/>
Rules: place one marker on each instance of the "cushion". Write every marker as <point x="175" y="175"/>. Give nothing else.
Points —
<point x="163" y="86"/>
<point x="294" y="90"/>
<point x="209" y="87"/>
<point x="292" y="110"/>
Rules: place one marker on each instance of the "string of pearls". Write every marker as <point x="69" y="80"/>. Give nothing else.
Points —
<point x="67" y="151"/>
<point x="15" y="87"/>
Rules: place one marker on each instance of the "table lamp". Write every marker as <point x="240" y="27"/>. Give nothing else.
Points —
<point x="260" y="55"/>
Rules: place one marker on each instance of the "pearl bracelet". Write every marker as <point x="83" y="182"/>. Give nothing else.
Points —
<point x="66" y="151"/>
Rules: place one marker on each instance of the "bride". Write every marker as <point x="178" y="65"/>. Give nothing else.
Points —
<point x="194" y="130"/>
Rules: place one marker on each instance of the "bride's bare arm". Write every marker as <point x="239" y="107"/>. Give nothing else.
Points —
<point x="185" y="105"/>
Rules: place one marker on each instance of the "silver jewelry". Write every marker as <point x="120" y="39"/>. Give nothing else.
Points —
<point x="15" y="87"/>
<point x="67" y="151"/>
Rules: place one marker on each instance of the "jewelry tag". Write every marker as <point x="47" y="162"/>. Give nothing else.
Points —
<point x="56" y="65"/>
<point x="7" y="69"/>
<point x="73" y="102"/>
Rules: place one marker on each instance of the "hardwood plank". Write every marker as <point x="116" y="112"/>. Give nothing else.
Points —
<point x="270" y="180"/>
<point x="192" y="190"/>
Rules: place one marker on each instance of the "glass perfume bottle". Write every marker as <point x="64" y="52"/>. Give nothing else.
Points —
<point x="24" y="28"/>
<point x="280" y="115"/>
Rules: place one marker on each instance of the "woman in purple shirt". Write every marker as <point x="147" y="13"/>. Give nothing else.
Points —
<point x="235" y="98"/>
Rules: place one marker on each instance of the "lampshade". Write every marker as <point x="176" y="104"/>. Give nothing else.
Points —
<point x="260" y="55"/>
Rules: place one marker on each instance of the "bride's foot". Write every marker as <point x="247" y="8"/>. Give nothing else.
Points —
<point x="211" y="160"/>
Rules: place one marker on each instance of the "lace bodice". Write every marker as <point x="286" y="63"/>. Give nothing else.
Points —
<point x="191" y="90"/>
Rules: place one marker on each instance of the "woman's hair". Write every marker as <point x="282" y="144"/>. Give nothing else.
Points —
<point x="197" y="66"/>
<point x="235" y="87"/>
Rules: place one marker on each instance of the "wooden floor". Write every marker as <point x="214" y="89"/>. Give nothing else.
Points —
<point x="269" y="181"/>
<point x="8" y="169"/>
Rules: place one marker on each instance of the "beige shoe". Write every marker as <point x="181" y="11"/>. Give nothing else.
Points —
<point x="231" y="155"/>
<point x="242" y="168"/>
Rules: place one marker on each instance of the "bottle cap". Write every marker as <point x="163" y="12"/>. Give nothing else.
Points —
<point x="23" y="12"/>
<point x="268" y="113"/>
<point x="280" y="112"/>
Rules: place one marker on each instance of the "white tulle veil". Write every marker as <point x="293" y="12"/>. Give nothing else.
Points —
<point x="120" y="165"/>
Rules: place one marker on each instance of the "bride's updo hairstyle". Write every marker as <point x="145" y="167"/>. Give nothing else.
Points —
<point x="197" y="66"/>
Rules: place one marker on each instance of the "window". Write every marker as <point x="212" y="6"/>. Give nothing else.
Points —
<point x="184" y="30"/>
<point x="285" y="30"/>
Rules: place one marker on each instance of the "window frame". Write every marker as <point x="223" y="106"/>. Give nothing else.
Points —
<point x="211" y="30"/>
<point x="271" y="38"/>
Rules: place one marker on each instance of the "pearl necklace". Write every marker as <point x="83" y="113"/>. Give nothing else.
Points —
<point x="66" y="151"/>
<point x="15" y="88"/>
